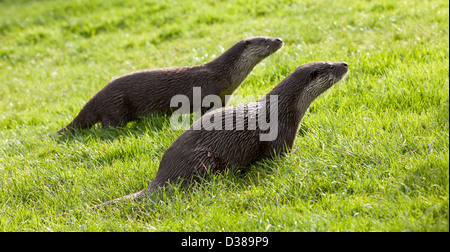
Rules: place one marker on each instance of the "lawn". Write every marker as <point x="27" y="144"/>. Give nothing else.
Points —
<point x="372" y="153"/>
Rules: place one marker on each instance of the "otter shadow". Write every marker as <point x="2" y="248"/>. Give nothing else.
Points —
<point x="205" y="188"/>
<point x="148" y="127"/>
<point x="152" y="122"/>
<point x="240" y="177"/>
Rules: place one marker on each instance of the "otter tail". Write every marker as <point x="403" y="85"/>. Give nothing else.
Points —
<point x="84" y="119"/>
<point x="134" y="196"/>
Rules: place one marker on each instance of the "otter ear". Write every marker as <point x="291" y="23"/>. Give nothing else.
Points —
<point x="314" y="74"/>
<point x="247" y="42"/>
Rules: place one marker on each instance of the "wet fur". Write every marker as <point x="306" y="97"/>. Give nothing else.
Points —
<point x="196" y="151"/>
<point x="136" y="94"/>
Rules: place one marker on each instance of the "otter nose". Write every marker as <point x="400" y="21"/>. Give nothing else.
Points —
<point x="345" y="64"/>
<point x="279" y="40"/>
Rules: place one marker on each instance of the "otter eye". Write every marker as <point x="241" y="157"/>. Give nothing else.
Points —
<point x="247" y="42"/>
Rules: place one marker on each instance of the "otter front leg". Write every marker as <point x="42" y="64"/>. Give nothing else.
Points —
<point x="275" y="148"/>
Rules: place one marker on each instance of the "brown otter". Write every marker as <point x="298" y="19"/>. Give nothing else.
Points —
<point x="196" y="152"/>
<point x="136" y="94"/>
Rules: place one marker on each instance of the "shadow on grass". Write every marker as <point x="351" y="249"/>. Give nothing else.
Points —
<point x="152" y="122"/>
<point x="163" y="203"/>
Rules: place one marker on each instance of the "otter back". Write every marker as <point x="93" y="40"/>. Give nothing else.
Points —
<point x="205" y="148"/>
<point x="136" y="94"/>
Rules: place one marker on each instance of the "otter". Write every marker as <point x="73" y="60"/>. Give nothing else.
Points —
<point x="131" y="96"/>
<point x="198" y="152"/>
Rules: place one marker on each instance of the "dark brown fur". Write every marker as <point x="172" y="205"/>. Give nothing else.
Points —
<point x="136" y="94"/>
<point x="195" y="152"/>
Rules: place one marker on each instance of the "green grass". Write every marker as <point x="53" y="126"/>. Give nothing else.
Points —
<point x="372" y="153"/>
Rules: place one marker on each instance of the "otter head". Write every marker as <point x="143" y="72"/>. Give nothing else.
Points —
<point x="238" y="61"/>
<point x="248" y="52"/>
<point x="316" y="77"/>
<point x="258" y="48"/>
<point x="321" y="75"/>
